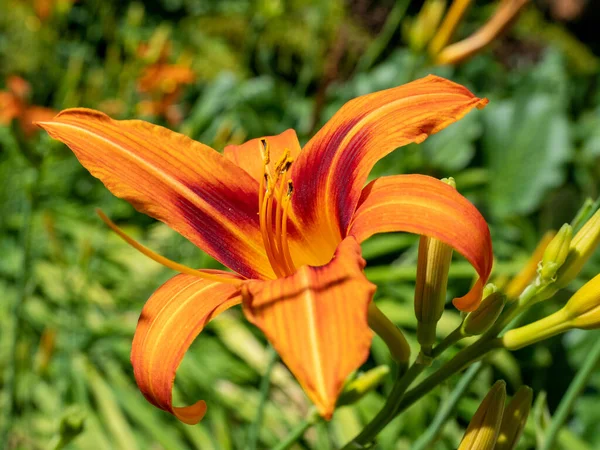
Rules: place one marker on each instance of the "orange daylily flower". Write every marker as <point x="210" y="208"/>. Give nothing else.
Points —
<point x="14" y="105"/>
<point x="163" y="83"/>
<point x="287" y="221"/>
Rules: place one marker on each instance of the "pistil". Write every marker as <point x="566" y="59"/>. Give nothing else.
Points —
<point x="164" y="260"/>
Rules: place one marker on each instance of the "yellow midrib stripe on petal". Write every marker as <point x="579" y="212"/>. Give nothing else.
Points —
<point x="177" y="185"/>
<point x="315" y="350"/>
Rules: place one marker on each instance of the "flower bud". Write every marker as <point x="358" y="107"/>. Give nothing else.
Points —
<point x="489" y="289"/>
<point x="583" y="308"/>
<point x="555" y="254"/>
<point x="484" y="428"/>
<point x="362" y="385"/>
<point x="581" y="311"/>
<point x="537" y="331"/>
<point x="424" y="26"/>
<point x="514" y="419"/>
<point x="517" y="285"/>
<point x="581" y="249"/>
<point x="432" y="279"/>
<point x="391" y="335"/>
<point x="481" y="320"/>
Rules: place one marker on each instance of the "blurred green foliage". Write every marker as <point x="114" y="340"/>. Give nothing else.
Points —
<point x="72" y="292"/>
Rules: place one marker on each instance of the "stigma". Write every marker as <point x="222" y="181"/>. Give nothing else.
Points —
<point x="274" y="199"/>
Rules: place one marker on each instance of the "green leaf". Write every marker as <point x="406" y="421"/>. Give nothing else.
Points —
<point x="526" y="144"/>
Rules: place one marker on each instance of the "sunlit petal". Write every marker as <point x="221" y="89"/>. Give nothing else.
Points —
<point x="170" y="321"/>
<point x="317" y="321"/>
<point x="423" y="205"/>
<point x="333" y="167"/>
<point x="187" y="185"/>
<point x="248" y="154"/>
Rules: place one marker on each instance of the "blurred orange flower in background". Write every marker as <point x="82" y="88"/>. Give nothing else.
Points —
<point x="14" y="105"/>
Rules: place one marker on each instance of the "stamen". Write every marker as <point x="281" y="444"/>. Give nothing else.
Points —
<point x="163" y="260"/>
<point x="265" y="152"/>
<point x="279" y="167"/>
<point x="283" y="239"/>
<point x="264" y="229"/>
<point x="272" y="194"/>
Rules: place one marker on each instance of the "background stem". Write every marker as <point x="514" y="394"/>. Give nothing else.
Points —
<point x="568" y="401"/>
<point x="431" y="435"/>
<point x="254" y="431"/>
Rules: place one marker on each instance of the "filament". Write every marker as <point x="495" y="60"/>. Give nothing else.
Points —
<point x="163" y="260"/>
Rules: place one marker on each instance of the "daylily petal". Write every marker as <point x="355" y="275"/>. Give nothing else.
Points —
<point x="248" y="155"/>
<point x="187" y="185"/>
<point x="423" y="205"/>
<point x="317" y="321"/>
<point x="170" y="321"/>
<point x="333" y="166"/>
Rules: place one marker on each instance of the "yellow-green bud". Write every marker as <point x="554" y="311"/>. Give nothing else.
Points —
<point x="519" y="283"/>
<point x="424" y="26"/>
<point x="581" y="311"/>
<point x="364" y="384"/>
<point x="72" y="424"/>
<point x="390" y="333"/>
<point x="484" y="428"/>
<point x="514" y="419"/>
<point x="581" y="249"/>
<point x="430" y="290"/>
<point x="482" y="319"/>
<point x="555" y="254"/>
<point x="583" y="308"/>
<point x="537" y="331"/>
<point x="489" y="289"/>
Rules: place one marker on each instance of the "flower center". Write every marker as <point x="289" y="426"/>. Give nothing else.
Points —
<point x="274" y="199"/>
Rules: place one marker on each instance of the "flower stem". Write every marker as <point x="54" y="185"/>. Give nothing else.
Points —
<point x="298" y="432"/>
<point x="388" y="411"/>
<point x="568" y="401"/>
<point x="429" y="437"/>
<point x="462" y="359"/>
<point x="253" y="433"/>
<point x="448" y="341"/>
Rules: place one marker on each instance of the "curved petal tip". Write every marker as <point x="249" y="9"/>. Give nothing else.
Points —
<point x="192" y="414"/>
<point x="471" y="300"/>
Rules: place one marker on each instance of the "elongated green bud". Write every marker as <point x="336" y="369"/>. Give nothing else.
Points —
<point x="537" y="331"/>
<point x="482" y="319"/>
<point x="519" y="283"/>
<point x="581" y="311"/>
<point x="514" y="419"/>
<point x="484" y="428"/>
<point x="555" y="254"/>
<point x="581" y="249"/>
<point x="362" y="385"/>
<point x="391" y="335"/>
<point x="430" y="291"/>
<point x="583" y="308"/>
<point x="489" y="289"/>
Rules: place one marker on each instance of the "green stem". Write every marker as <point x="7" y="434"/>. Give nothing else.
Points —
<point x="298" y="432"/>
<point x="568" y="401"/>
<point x="254" y="432"/>
<point x="391" y="335"/>
<point x="462" y="359"/>
<point x="448" y="341"/>
<point x="426" y="440"/>
<point x="380" y="43"/>
<point x="383" y="417"/>
<point x="15" y="312"/>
